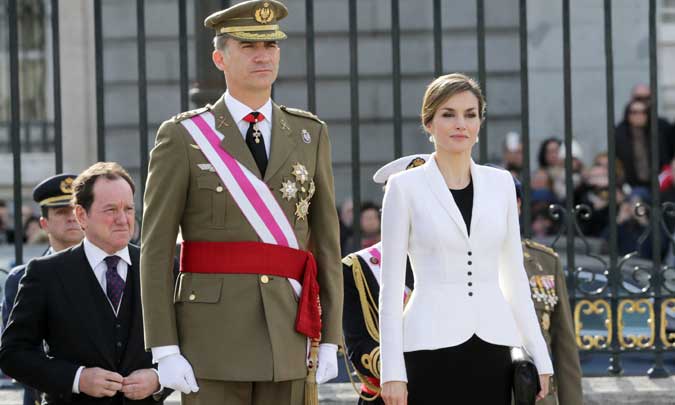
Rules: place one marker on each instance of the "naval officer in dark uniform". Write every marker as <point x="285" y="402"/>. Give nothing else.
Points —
<point x="361" y="275"/>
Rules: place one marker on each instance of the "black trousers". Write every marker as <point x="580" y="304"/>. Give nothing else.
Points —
<point x="474" y="372"/>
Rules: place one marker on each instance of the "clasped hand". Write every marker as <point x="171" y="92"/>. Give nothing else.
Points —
<point x="97" y="382"/>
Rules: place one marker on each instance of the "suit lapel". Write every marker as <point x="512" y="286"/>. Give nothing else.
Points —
<point x="283" y="142"/>
<point x="76" y="279"/>
<point x="233" y="142"/>
<point x="135" y="337"/>
<point x="476" y="208"/>
<point x="442" y="193"/>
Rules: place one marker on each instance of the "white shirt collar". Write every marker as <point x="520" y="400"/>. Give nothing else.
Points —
<point x="95" y="255"/>
<point x="239" y="110"/>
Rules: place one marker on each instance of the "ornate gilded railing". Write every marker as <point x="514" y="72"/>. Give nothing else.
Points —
<point x="621" y="304"/>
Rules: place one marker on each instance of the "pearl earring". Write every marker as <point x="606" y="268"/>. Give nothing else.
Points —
<point x="431" y="139"/>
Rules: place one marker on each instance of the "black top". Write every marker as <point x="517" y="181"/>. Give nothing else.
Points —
<point x="464" y="200"/>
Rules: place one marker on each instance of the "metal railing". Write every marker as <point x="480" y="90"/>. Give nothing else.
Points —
<point x="612" y="289"/>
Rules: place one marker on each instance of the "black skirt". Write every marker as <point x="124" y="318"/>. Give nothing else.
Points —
<point x="474" y="372"/>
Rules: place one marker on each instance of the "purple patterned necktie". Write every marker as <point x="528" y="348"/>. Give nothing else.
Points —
<point x="114" y="283"/>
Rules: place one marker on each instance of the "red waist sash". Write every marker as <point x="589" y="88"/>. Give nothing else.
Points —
<point x="261" y="258"/>
<point x="375" y="382"/>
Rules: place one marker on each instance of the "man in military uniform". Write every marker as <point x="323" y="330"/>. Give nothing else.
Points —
<point x="361" y="273"/>
<point x="250" y="185"/>
<point x="58" y="220"/>
<point x="551" y="302"/>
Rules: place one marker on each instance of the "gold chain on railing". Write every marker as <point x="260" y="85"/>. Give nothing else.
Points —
<point x="640" y="306"/>
<point x="598" y="307"/>
<point x="668" y="339"/>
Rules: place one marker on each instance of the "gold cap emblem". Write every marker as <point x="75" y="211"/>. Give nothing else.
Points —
<point x="66" y="186"/>
<point x="418" y="161"/>
<point x="264" y="14"/>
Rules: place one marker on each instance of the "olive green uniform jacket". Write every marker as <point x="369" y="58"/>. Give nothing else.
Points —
<point x="549" y="293"/>
<point x="236" y="327"/>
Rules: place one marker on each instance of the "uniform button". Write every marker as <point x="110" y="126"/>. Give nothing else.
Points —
<point x="117" y="325"/>
<point x="264" y="279"/>
<point x="119" y="344"/>
<point x="192" y="297"/>
<point x="469" y="253"/>
<point x="219" y="189"/>
<point x="469" y="273"/>
<point x="470" y="294"/>
<point x="470" y="283"/>
<point x="470" y="262"/>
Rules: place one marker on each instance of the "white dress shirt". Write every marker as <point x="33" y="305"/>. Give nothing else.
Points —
<point x="239" y="110"/>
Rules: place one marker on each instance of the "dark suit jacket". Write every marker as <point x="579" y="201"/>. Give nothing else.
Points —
<point x="56" y="303"/>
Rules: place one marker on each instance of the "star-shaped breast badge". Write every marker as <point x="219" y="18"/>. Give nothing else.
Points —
<point x="300" y="172"/>
<point x="288" y="190"/>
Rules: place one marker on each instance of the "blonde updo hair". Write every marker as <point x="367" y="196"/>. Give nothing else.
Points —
<point x="444" y="87"/>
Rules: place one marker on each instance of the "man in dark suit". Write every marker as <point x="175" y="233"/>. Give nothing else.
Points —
<point x="84" y="303"/>
<point x="54" y="195"/>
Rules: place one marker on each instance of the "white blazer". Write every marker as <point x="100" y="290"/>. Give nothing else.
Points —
<point x="464" y="285"/>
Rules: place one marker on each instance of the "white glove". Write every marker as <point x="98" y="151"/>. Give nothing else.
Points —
<point x="327" y="369"/>
<point x="176" y="373"/>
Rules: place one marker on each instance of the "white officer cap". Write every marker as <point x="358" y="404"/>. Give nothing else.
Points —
<point x="406" y="162"/>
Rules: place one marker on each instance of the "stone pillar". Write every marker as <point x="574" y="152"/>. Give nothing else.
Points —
<point x="209" y="82"/>
<point x="78" y="85"/>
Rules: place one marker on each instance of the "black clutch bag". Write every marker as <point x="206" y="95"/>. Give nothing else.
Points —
<point x="525" y="378"/>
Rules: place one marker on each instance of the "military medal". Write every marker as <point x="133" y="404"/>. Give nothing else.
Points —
<point x="545" y="321"/>
<point x="306" y="137"/>
<point x="300" y="172"/>
<point x="256" y="131"/>
<point x="542" y="291"/>
<point x="302" y="209"/>
<point x="288" y="190"/>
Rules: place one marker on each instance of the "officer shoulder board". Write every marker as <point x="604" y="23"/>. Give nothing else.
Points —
<point x="189" y="114"/>
<point x="301" y="113"/>
<point x="538" y="246"/>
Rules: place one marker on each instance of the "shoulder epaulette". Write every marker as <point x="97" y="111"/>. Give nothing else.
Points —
<point x="348" y="260"/>
<point x="538" y="246"/>
<point x="300" y="113"/>
<point x="188" y="114"/>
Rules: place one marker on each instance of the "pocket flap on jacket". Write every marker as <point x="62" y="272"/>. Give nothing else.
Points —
<point x="201" y="290"/>
<point x="208" y="181"/>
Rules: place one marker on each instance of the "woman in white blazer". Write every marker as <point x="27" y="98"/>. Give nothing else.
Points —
<point x="458" y="223"/>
